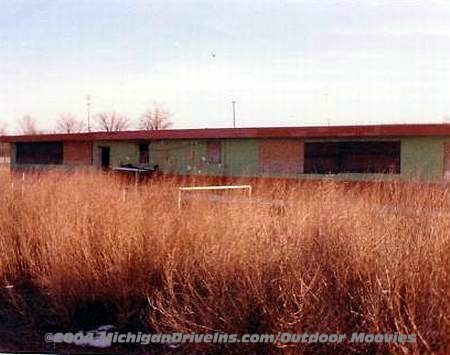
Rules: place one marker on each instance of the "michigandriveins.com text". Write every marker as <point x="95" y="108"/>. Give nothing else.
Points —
<point x="105" y="338"/>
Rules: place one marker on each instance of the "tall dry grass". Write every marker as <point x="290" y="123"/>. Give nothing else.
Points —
<point x="80" y="252"/>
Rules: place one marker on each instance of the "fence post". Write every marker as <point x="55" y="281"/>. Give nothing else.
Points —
<point x="136" y="178"/>
<point x="23" y="183"/>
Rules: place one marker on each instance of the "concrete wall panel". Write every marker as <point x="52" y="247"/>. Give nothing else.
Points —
<point x="241" y="157"/>
<point x="121" y="153"/>
<point x="422" y="158"/>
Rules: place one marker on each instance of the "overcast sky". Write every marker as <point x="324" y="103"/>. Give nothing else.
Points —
<point x="285" y="62"/>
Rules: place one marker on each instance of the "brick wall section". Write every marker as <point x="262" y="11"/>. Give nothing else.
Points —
<point x="4" y="150"/>
<point x="77" y="153"/>
<point x="5" y="153"/>
<point x="281" y="156"/>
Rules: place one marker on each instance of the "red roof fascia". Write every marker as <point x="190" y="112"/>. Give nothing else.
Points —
<point x="269" y="132"/>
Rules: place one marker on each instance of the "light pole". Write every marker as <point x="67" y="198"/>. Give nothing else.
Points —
<point x="88" y="103"/>
<point x="234" y="113"/>
<point x="327" y="109"/>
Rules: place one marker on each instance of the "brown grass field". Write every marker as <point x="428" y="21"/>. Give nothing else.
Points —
<point x="76" y="253"/>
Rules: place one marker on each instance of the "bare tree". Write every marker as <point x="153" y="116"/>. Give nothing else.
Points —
<point x="112" y="122"/>
<point x="68" y="123"/>
<point x="27" y="125"/>
<point x="2" y="129"/>
<point x="157" y="117"/>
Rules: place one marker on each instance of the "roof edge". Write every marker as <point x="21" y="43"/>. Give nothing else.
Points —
<point x="387" y="130"/>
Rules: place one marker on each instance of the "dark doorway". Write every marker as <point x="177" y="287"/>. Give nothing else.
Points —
<point x="144" y="157"/>
<point x="105" y="153"/>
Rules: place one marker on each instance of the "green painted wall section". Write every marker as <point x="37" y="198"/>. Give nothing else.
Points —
<point x="187" y="157"/>
<point x="423" y="158"/>
<point x="241" y="157"/>
<point x="121" y="153"/>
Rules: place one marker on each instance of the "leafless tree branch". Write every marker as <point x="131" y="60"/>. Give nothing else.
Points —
<point x="112" y="122"/>
<point x="27" y="125"/>
<point x="155" y="118"/>
<point x="68" y="123"/>
<point x="3" y="129"/>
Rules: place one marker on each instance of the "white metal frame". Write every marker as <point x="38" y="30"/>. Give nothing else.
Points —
<point x="205" y="188"/>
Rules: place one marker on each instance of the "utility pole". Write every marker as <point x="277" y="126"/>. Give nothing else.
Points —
<point x="88" y="103"/>
<point x="327" y="108"/>
<point x="234" y="113"/>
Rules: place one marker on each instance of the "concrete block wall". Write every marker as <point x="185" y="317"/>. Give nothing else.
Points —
<point x="121" y="153"/>
<point x="421" y="157"/>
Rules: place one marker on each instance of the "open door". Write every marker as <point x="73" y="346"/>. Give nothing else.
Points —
<point x="105" y="157"/>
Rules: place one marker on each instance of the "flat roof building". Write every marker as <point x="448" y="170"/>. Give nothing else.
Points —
<point x="341" y="152"/>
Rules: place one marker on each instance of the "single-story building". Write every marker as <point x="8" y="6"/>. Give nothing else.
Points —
<point x="340" y="152"/>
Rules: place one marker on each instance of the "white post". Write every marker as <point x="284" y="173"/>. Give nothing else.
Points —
<point x="136" y="178"/>
<point x="23" y="183"/>
<point x="179" y="198"/>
